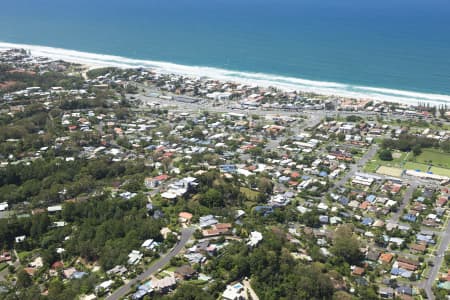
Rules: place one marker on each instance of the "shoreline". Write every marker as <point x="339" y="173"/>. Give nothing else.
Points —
<point x="330" y="89"/>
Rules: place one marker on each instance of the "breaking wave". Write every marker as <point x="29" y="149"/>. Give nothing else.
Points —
<point x="260" y="79"/>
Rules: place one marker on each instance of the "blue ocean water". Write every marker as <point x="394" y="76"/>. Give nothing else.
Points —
<point x="394" y="44"/>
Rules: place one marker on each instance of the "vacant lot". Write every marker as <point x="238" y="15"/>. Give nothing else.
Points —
<point x="390" y="171"/>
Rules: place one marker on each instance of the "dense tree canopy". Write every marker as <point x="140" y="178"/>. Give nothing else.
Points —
<point x="385" y="155"/>
<point x="346" y="246"/>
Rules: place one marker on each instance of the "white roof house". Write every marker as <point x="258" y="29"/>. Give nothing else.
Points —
<point x="20" y="238"/>
<point x="54" y="208"/>
<point x="134" y="257"/>
<point x="3" y="206"/>
<point x="105" y="285"/>
<point x="234" y="292"/>
<point x="254" y="238"/>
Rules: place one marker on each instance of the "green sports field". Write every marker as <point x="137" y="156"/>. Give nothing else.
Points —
<point x="434" y="157"/>
<point x="430" y="160"/>
<point x="416" y="166"/>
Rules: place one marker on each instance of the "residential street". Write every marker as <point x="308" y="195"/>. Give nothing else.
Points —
<point x="406" y="198"/>
<point x="355" y="167"/>
<point x="121" y="292"/>
<point x="438" y="258"/>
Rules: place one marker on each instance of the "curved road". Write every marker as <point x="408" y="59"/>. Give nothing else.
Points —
<point x="121" y="292"/>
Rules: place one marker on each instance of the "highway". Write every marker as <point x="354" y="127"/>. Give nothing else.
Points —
<point x="125" y="289"/>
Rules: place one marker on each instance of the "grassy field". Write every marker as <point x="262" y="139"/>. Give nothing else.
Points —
<point x="397" y="162"/>
<point x="433" y="157"/>
<point x="439" y="161"/>
<point x="440" y="171"/>
<point x="416" y="166"/>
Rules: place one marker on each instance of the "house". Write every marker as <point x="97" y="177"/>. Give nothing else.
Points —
<point x="409" y="218"/>
<point x="426" y="238"/>
<point x="386" y="258"/>
<point x="366" y="181"/>
<point x="396" y="240"/>
<point x="386" y="292"/>
<point x="418" y="248"/>
<point x="104" y="287"/>
<point x="401" y="272"/>
<point x="134" y="257"/>
<point x="57" y="265"/>
<point x="367" y="221"/>
<point x="234" y="292"/>
<point x="3" y="206"/>
<point x="142" y="290"/>
<point x="54" y="208"/>
<point x="208" y="220"/>
<point x="185" y="272"/>
<point x="20" y="239"/>
<point x="69" y="272"/>
<point x="139" y="294"/>
<point x="150" y="244"/>
<point x="30" y="271"/>
<point x="358" y="271"/>
<point x="6" y="256"/>
<point x="185" y="217"/>
<point x="254" y="238"/>
<point x="154" y="182"/>
<point x="373" y="255"/>
<point x="408" y="264"/>
<point x="217" y="229"/>
<point x="404" y="290"/>
<point x="165" y="284"/>
<point x="195" y="258"/>
<point x="117" y="270"/>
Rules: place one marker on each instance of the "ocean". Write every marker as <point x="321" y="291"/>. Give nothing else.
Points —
<point x="397" y="50"/>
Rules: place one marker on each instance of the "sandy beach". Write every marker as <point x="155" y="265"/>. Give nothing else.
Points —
<point x="93" y="60"/>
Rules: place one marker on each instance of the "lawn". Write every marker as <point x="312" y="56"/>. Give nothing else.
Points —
<point x="3" y="265"/>
<point x="371" y="166"/>
<point x="250" y="194"/>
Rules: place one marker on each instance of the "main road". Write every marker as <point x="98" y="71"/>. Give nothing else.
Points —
<point x="125" y="289"/>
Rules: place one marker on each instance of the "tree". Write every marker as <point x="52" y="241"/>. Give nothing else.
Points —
<point x="191" y="292"/>
<point x="197" y="132"/>
<point x="346" y="246"/>
<point x="212" y="198"/>
<point x="265" y="185"/>
<point x="341" y="295"/>
<point x="23" y="279"/>
<point x="416" y="150"/>
<point x="385" y="155"/>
